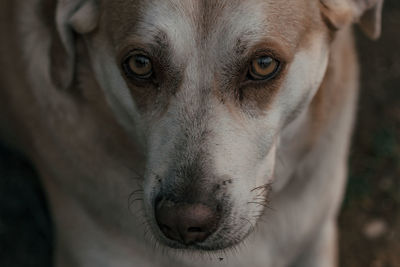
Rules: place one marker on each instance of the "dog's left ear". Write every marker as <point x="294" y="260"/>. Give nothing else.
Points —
<point x="72" y="17"/>
<point x="367" y="13"/>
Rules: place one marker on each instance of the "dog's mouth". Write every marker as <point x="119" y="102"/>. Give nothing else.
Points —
<point x="222" y="239"/>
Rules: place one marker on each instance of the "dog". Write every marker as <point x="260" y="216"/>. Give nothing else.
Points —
<point x="185" y="132"/>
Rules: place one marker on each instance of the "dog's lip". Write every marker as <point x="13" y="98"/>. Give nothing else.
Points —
<point x="201" y="247"/>
<point x="205" y="245"/>
<point x="195" y="246"/>
<point x="191" y="246"/>
<point x="178" y="245"/>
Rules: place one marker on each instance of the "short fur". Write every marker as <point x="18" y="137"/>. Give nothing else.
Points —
<point x="105" y="147"/>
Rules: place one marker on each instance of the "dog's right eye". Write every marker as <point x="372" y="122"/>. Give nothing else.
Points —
<point x="263" y="68"/>
<point x="138" y="66"/>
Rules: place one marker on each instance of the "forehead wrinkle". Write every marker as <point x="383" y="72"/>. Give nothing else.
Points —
<point x="208" y="15"/>
<point x="158" y="21"/>
<point x="227" y="27"/>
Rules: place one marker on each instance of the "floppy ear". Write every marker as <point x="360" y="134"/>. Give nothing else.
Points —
<point x="72" y="17"/>
<point x="367" y="13"/>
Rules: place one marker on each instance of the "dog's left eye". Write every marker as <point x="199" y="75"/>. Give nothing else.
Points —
<point x="263" y="68"/>
<point x="138" y="66"/>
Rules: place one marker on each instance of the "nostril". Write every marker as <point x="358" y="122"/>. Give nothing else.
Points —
<point x="165" y="227"/>
<point x="157" y="201"/>
<point x="195" y="230"/>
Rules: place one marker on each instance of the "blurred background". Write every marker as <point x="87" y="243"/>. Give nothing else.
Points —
<point x="370" y="218"/>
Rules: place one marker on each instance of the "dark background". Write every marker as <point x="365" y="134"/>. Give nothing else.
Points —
<point x="370" y="218"/>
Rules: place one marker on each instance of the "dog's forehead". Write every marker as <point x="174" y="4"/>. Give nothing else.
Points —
<point x="193" y="23"/>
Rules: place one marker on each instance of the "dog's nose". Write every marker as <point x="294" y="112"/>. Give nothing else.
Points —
<point x="185" y="223"/>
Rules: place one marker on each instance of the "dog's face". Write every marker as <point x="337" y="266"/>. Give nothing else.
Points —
<point x="207" y="88"/>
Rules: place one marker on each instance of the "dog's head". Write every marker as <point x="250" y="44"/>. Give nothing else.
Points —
<point x="207" y="87"/>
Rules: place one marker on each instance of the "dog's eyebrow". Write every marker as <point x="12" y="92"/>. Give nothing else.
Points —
<point x="241" y="47"/>
<point x="245" y="47"/>
<point x="161" y="42"/>
<point x="155" y="42"/>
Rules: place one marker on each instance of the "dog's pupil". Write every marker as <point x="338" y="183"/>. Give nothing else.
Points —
<point x="264" y="62"/>
<point x="141" y="62"/>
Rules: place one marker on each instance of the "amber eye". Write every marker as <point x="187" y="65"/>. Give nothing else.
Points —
<point x="137" y="65"/>
<point x="263" y="68"/>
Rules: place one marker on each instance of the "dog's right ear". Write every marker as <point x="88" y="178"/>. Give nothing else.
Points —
<point x="367" y="13"/>
<point x="72" y="17"/>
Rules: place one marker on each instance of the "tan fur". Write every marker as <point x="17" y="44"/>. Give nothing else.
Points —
<point x="342" y="69"/>
<point x="104" y="140"/>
